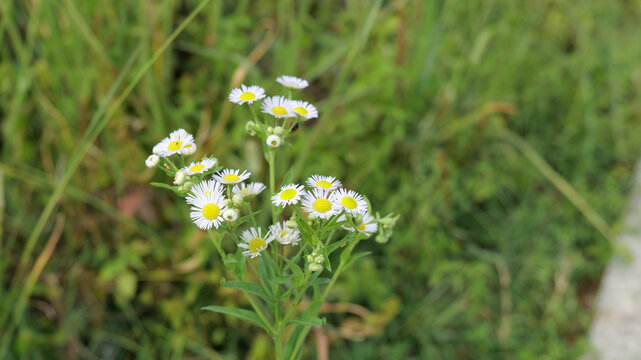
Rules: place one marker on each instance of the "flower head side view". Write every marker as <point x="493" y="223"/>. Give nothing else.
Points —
<point x="278" y="265"/>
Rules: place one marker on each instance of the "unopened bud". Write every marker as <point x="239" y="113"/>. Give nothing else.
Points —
<point x="237" y="199"/>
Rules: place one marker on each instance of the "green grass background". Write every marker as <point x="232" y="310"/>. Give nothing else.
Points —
<point x="503" y="132"/>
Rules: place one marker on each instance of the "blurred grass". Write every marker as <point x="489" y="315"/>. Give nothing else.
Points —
<point x="490" y="260"/>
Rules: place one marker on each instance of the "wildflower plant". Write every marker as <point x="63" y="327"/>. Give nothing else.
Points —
<point x="277" y="265"/>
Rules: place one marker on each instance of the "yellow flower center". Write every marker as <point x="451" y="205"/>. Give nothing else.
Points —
<point x="348" y="202"/>
<point x="246" y="96"/>
<point x="288" y="194"/>
<point x="279" y="110"/>
<point x="300" y="110"/>
<point x="211" y="211"/>
<point x="231" y="177"/>
<point x="174" y="145"/>
<point x="361" y="227"/>
<point x="322" y="205"/>
<point x="196" y="168"/>
<point x="324" y="184"/>
<point x="283" y="233"/>
<point x="256" y="245"/>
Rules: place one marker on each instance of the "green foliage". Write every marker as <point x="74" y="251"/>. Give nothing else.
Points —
<point x="488" y="259"/>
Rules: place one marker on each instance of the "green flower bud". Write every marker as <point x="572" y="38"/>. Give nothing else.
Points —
<point x="237" y="199"/>
<point x="315" y="267"/>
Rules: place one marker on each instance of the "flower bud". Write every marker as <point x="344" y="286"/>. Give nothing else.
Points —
<point x="315" y="267"/>
<point x="270" y="130"/>
<point x="230" y="214"/>
<point x="237" y="199"/>
<point x="319" y="259"/>
<point x="273" y="141"/>
<point x="278" y="130"/>
<point x="152" y="161"/>
<point x="187" y="185"/>
<point x="179" y="179"/>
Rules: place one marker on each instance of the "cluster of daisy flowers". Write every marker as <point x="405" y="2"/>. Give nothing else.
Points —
<point x="281" y="114"/>
<point x="324" y="198"/>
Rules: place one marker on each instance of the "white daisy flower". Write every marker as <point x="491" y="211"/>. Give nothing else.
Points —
<point x="251" y="189"/>
<point x="288" y="195"/>
<point x="277" y="106"/>
<point x="318" y="203"/>
<point x="273" y="141"/>
<point x="368" y="225"/>
<point x="284" y="234"/>
<point x="152" y="161"/>
<point x="292" y="82"/>
<point x="349" y="200"/>
<point x="208" y="204"/>
<point x="174" y="143"/>
<point x="304" y="109"/>
<point x="254" y="241"/>
<point x="231" y="176"/>
<point x="199" y="167"/>
<point x="188" y="149"/>
<point x="328" y="183"/>
<point x="246" y="94"/>
<point x="230" y="215"/>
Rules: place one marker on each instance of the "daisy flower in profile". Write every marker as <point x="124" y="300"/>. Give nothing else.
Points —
<point x="208" y="204"/>
<point x="231" y="176"/>
<point x="277" y="106"/>
<point x="251" y="189"/>
<point x="152" y="161"/>
<point x="349" y="200"/>
<point x="174" y="143"/>
<point x="288" y="195"/>
<point x="284" y="234"/>
<point x="304" y="109"/>
<point x="199" y="167"/>
<point x="292" y="82"/>
<point x="254" y="241"/>
<point x="318" y="203"/>
<point x="246" y="94"/>
<point x="368" y="225"/>
<point x="328" y="183"/>
<point x="188" y="149"/>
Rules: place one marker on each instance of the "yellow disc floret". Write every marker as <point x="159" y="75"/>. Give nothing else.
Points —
<point x="288" y="194"/>
<point x="279" y="110"/>
<point x="211" y="211"/>
<point x="174" y="145"/>
<point x="231" y="177"/>
<point x="348" y="202"/>
<point x="300" y="110"/>
<point x="196" y="168"/>
<point x="246" y="96"/>
<point x="256" y="244"/>
<point x="324" y="184"/>
<point x="322" y="205"/>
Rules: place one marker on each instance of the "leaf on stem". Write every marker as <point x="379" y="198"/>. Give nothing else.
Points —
<point x="249" y="287"/>
<point x="242" y="314"/>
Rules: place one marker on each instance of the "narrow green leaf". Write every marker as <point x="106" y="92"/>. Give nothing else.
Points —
<point x="288" y="177"/>
<point x="320" y="281"/>
<point x="162" y="185"/>
<point x="355" y="257"/>
<point x="307" y="320"/>
<point x="265" y="275"/>
<point x="297" y="273"/>
<point x="250" y="287"/>
<point x="242" y="314"/>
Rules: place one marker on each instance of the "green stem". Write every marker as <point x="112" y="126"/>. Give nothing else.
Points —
<point x="303" y="334"/>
